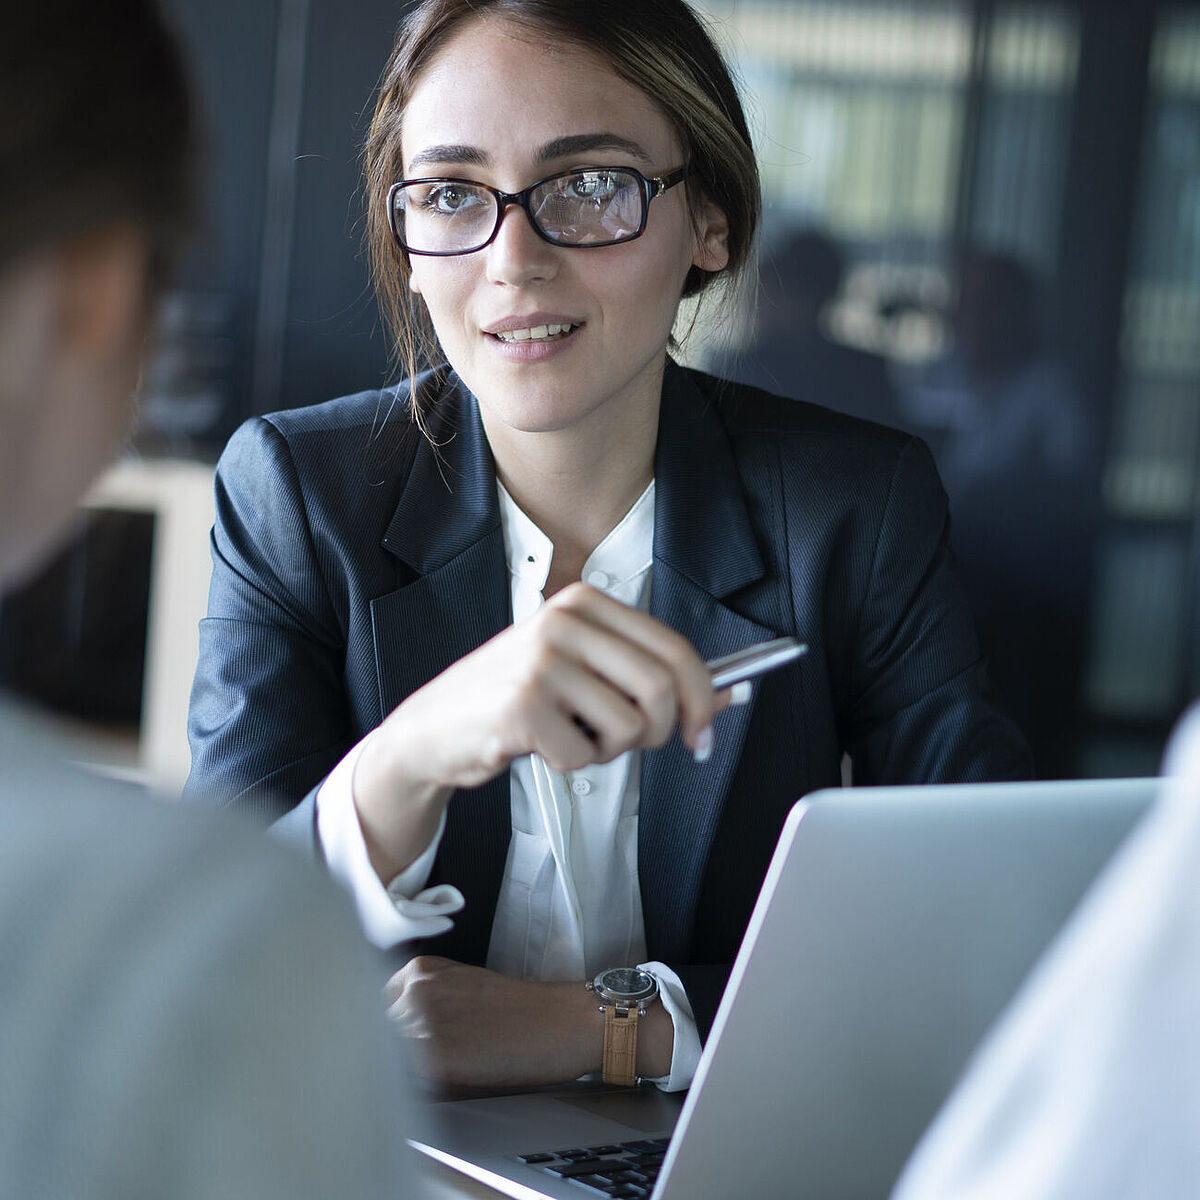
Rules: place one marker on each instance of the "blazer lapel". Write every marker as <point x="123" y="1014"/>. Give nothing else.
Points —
<point x="446" y="528"/>
<point x="704" y="550"/>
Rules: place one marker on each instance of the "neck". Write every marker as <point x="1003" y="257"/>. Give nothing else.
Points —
<point x="576" y="485"/>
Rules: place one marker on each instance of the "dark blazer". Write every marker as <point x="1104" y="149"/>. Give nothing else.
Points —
<point x="354" y="559"/>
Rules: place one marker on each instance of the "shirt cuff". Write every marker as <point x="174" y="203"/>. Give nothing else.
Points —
<point x="405" y="910"/>
<point x="685" y="1056"/>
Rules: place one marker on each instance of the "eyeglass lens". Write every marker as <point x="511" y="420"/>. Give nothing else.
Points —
<point x="579" y="208"/>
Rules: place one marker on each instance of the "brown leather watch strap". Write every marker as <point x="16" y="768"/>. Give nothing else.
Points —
<point x="620" y="1045"/>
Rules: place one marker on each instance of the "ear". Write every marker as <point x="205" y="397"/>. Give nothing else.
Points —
<point x="101" y="293"/>
<point x="712" y="238"/>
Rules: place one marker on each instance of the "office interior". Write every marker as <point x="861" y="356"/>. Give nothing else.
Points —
<point x="1049" y="151"/>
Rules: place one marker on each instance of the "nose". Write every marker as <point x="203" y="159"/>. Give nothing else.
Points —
<point x="518" y="256"/>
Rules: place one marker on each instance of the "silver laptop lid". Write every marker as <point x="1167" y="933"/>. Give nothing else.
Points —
<point x="892" y="928"/>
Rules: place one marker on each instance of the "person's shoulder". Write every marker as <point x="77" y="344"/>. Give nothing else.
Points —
<point x="1182" y="755"/>
<point x="172" y="890"/>
<point x="356" y="410"/>
<point x="350" y="455"/>
<point x="375" y="423"/>
<point x="826" y="461"/>
<point x="119" y="841"/>
<point x="162" y="956"/>
<point x="749" y="411"/>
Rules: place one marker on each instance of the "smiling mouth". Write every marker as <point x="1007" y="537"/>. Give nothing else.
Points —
<point x="537" y="333"/>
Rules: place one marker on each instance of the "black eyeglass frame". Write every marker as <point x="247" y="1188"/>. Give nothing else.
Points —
<point x="652" y="187"/>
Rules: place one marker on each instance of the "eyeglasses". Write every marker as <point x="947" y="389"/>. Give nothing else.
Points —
<point x="588" y="207"/>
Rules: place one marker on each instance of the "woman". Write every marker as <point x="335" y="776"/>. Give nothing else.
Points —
<point x="400" y="654"/>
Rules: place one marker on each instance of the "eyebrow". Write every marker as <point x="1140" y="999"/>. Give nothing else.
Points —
<point x="579" y="143"/>
<point x="563" y="147"/>
<point x="453" y="155"/>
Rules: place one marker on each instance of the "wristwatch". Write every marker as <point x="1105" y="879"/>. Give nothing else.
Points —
<point x="623" y="993"/>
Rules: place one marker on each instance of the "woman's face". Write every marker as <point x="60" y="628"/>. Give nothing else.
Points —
<point x="497" y="107"/>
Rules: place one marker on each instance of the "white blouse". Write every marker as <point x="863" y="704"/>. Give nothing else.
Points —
<point x="570" y="903"/>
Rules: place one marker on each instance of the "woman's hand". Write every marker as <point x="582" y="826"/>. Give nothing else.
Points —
<point x="580" y="682"/>
<point x="470" y="1027"/>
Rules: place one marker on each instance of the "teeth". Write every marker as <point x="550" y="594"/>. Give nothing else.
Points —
<point x="537" y="333"/>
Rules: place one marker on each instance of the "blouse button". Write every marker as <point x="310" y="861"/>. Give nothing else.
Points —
<point x="598" y="579"/>
<point x="581" y="786"/>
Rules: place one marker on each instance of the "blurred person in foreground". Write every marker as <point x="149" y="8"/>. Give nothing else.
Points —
<point x="165" y="1029"/>
<point x="1089" y="1086"/>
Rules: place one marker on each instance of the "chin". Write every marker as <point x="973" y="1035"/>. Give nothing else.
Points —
<point x="540" y="421"/>
<point x="527" y="410"/>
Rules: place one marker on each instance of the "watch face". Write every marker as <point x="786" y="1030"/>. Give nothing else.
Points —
<point x="627" y="983"/>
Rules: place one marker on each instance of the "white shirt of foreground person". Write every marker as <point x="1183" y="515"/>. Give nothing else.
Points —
<point x="569" y="903"/>
<point x="185" y="1011"/>
<point x="1090" y="1084"/>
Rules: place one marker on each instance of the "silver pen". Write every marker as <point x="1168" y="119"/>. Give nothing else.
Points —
<point x="741" y="665"/>
<point x="754" y="660"/>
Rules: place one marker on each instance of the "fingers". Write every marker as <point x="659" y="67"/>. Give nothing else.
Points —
<point x="421" y="966"/>
<point x="623" y="695"/>
<point x="657" y="668"/>
<point x="572" y="717"/>
<point x="582" y="681"/>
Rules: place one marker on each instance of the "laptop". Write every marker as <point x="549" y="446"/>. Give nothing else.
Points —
<point x="893" y="926"/>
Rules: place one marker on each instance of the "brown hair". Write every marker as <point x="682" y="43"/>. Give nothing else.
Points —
<point x="97" y="125"/>
<point x="659" y="46"/>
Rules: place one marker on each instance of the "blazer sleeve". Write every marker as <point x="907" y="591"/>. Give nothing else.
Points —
<point x="269" y="712"/>
<point x="921" y="709"/>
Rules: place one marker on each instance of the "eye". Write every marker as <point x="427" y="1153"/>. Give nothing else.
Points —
<point x="448" y="199"/>
<point x="595" y="185"/>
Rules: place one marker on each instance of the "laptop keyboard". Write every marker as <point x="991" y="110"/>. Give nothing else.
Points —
<point x="624" y="1171"/>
